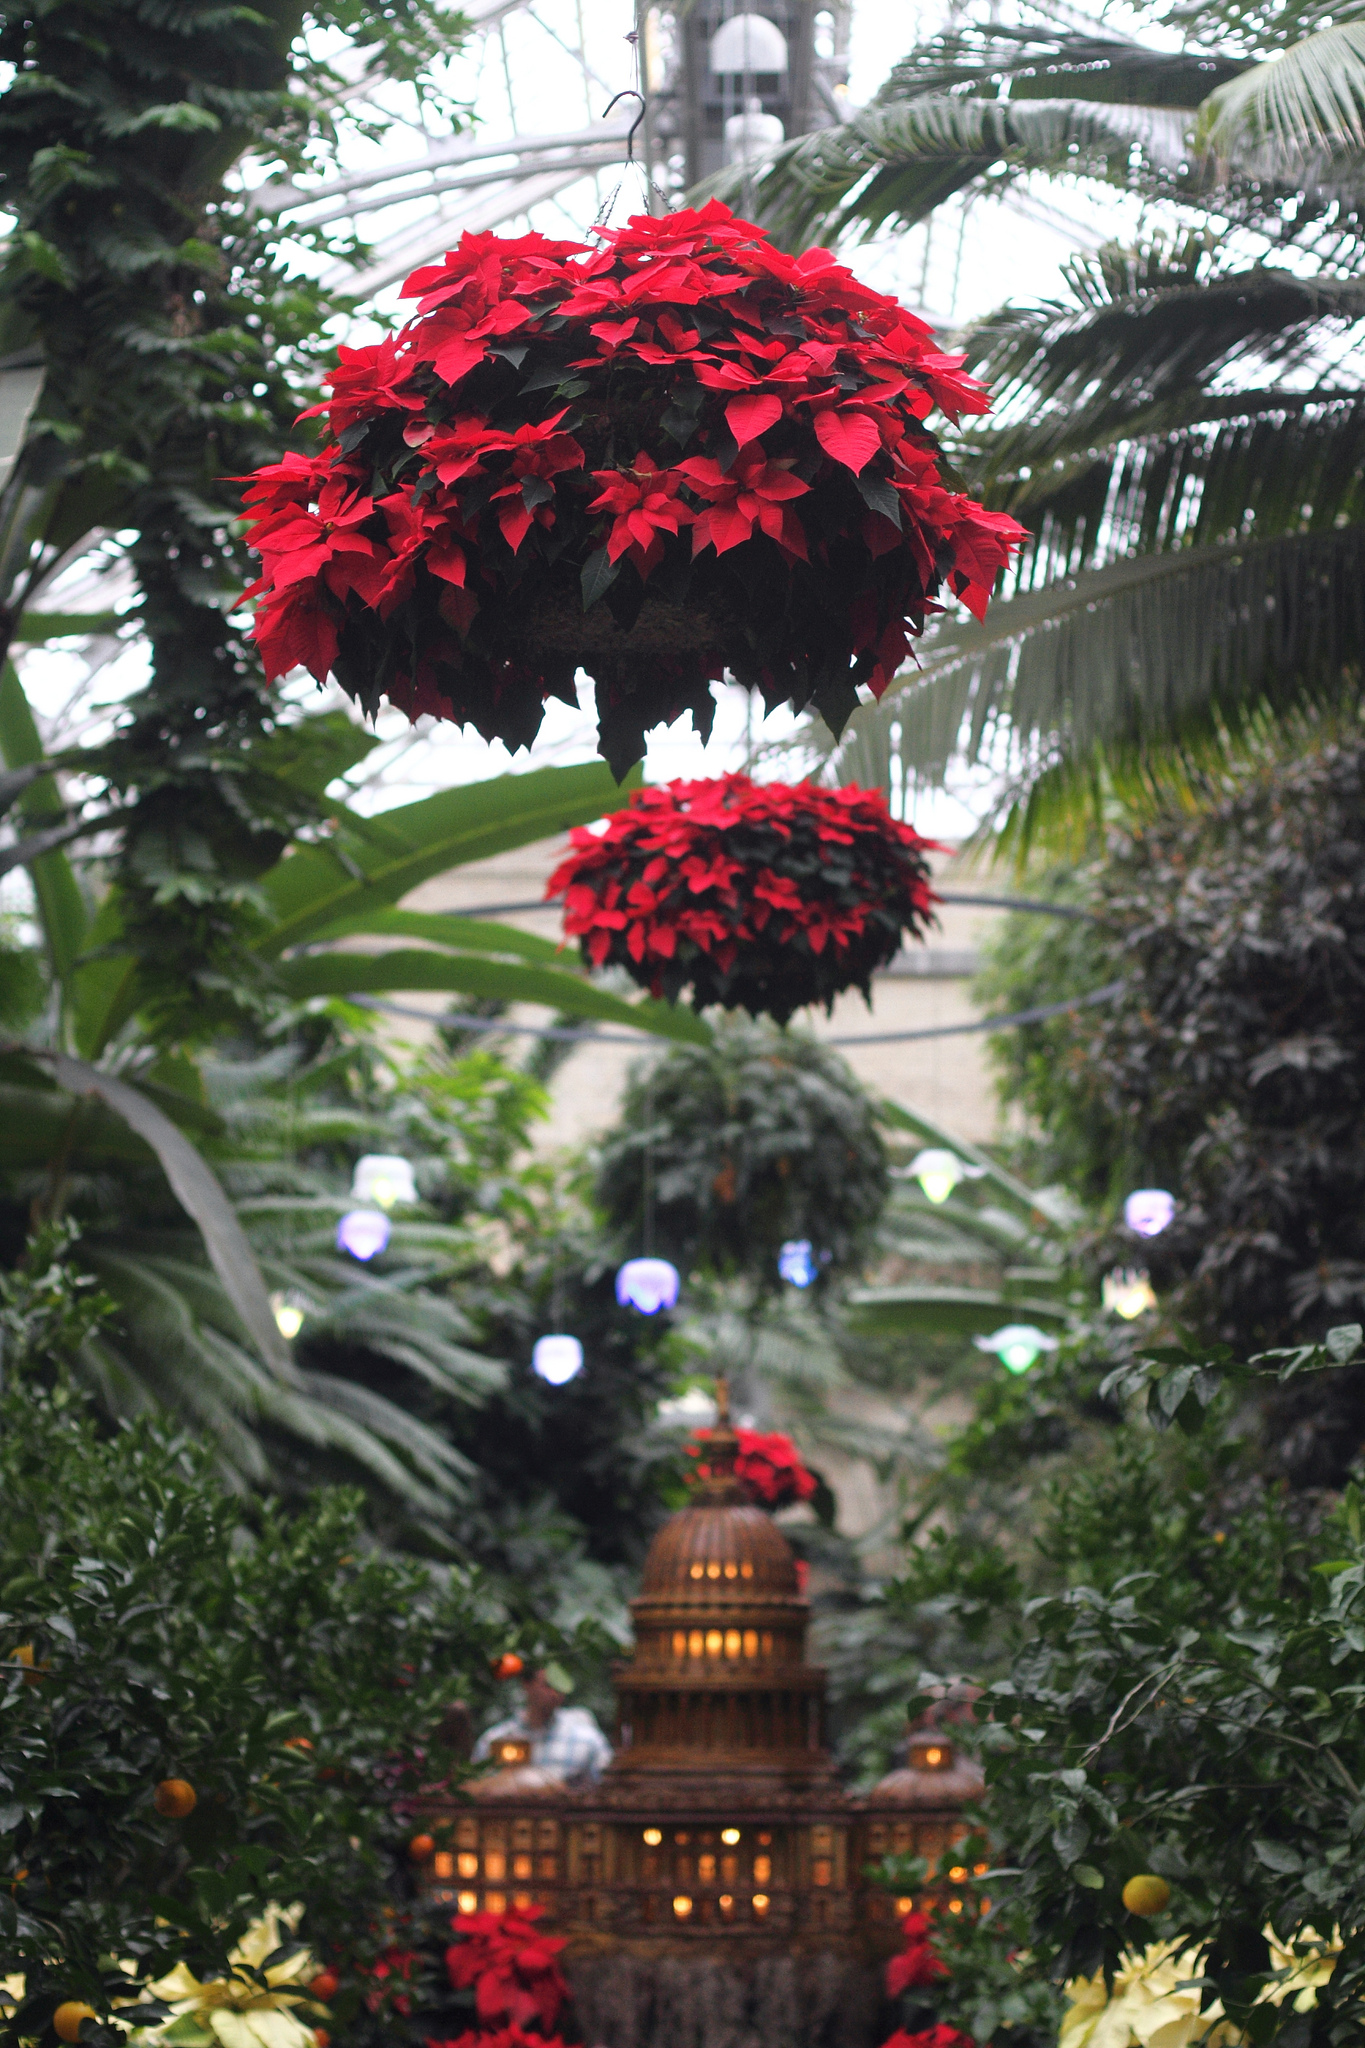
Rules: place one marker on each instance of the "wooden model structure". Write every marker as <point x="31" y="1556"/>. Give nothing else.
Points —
<point x="719" y="1826"/>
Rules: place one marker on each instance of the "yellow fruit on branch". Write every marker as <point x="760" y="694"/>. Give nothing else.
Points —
<point x="174" y="1798"/>
<point x="67" y="2019"/>
<point x="1146" y="1895"/>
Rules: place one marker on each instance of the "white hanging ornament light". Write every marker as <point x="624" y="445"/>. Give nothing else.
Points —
<point x="557" y="1359"/>
<point x="363" y="1233"/>
<point x="383" y="1177"/>
<point x="938" y="1172"/>
<point x="1148" y="1211"/>
<point x="647" y="1285"/>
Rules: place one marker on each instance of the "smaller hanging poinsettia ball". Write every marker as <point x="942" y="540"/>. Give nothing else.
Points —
<point x="758" y="896"/>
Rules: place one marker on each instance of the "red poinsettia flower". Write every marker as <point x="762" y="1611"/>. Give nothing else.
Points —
<point x="919" y="1964"/>
<point x="513" y="1967"/>
<point x="768" y="1466"/>
<point x="756" y="894"/>
<point x="769" y="398"/>
<point x="645" y="505"/>
<point x="753" y="492"/>
<point x="941" y="2036"/>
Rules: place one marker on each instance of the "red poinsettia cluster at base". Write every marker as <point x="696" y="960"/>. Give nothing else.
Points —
<point x="759" y="895"/>
<point x="769" y="1467"/>
<point x="513" y="1968"/>
<point x="941" y="2036"/>
<point x="919" y="1963"/>
<point x="678" y="452"/>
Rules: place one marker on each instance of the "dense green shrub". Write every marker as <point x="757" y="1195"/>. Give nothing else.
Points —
<point x="723" y="1152"/>
<point x="152" y="1628"/>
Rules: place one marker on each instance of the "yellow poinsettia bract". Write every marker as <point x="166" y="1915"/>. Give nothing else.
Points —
<point x="1153" y="2004"/>
<point x="252" y="2007"/>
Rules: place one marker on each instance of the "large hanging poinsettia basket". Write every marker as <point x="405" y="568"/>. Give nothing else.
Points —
<point x="675" y="454"/>
<point x="757" y="895"/>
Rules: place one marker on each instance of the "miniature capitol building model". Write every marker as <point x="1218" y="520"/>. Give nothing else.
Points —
<point x="712" y="1883"/>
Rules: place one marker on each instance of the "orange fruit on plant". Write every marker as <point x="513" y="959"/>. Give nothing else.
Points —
<point x="174" y="1798"/>
<point x="34" y="1673"/>
<point x="508" y="1665"/>
<point x="67" y="2019"/>
<point x="420" y="1847"/>
<point x="1146" y="1895"/>
<point x="297" y="1742"/>
<point x="324" y="1986"/>
<point x="322" y="2037"/>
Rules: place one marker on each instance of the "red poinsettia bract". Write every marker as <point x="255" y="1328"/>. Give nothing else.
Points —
<point x="941" y="2036"/>
<point x="758" y="895"/>
<point x="679" y="452"/>
<point x="513" y="1968"/>
<point x="768" y="1466"/>
<point x="919" y="1964"/>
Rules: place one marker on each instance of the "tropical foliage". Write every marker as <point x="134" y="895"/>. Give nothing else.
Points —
<point x="138" y="1140"/>
<point x="1180" y="433"/>
<point x="722" y="446"/>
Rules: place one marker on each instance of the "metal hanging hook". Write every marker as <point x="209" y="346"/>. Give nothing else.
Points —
<point x="628" y="94"/>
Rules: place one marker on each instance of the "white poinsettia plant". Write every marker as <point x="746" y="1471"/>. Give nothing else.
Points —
<point x="256" y="2005"/>
<point x="1154" y="2001"/>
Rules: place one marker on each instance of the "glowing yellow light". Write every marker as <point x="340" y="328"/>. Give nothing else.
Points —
<point x="495" y="1902"/>
<point x="761" y="1903"/>
<point x="904" y="1906"/>
<point x="933" y="1757"/>
<point x="1127" y="1292"/>
<point x="958" y="1874"/>
<point x="726" y="1904"/>
<point x="980" y="1869"/>
<point x="468" y="1865"/>
<point x="442" y="1864"/>
<point x="938" y="1173"/>
<point x="682" y="1908"/>
<point x="468" y="1902"/>
<point x="715" y="1642"/>
<point x="696" y="1643"/>
<point x="954" y="1905"/>
<point x="730" y="1835"/>
<point x="732" y="1642"/>
<point x="746" y="1570"/>
<point x="653" y="1836"/>
<point x="288" y="1316"/>
<point x="697" y="1571"/>
<point x="713" y="1570"/>
<point x="732" y="1570"/>
<point x="763" y="1869"/>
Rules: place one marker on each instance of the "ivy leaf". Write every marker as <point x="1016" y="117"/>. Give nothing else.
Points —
<point x="1344" y="1341"/>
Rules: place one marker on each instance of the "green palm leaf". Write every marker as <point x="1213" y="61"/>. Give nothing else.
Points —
<point x="1308" y="104"/>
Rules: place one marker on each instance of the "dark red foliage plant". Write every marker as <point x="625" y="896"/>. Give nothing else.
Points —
<point x="758" y="895"/>
<point x="676" y="453"/>
<point x="768" y="1466"/>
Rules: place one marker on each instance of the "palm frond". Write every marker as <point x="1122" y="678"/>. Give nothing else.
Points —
<point x="1169" y="649"/>
<point x="1048" y="62"/>
<point x="893" y="164"/>
<point x="1306" y="104"/>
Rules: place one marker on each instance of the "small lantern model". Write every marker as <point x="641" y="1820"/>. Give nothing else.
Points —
<point x="758" y="895"/>
<point x="679" y="453"/>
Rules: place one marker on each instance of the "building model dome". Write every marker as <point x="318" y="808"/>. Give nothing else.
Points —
<point x="719" y="1830"/>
